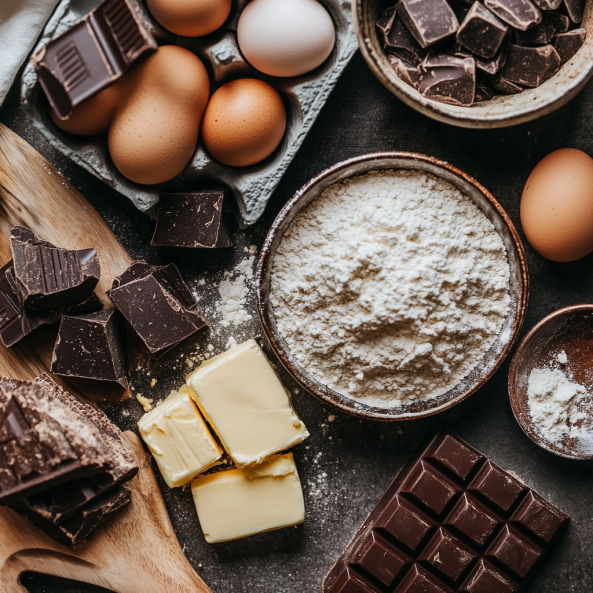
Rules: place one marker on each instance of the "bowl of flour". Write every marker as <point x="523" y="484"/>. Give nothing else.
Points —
<point x="392" y="286"/>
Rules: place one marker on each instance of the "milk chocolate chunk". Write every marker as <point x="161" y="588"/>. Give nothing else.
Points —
<point x="157" y="304"/>
<point x="429" y="21"/>
<point x="481" y="32"/>
<point x="407" y="72"/>
<point x="448" y="79"/>
<point x="521" y="14"/>
<point x="575" y="9"/>
<point x="567" y="44"/>
<point x="92" y="54"/>
<point x="192" y="219"/>
<point x="530" y="66"/>
<point x="451" y="521"/>
<point x="91" y="347"/>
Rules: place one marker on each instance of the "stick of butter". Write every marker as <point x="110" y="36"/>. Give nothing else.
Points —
<point x="234" y="503"/>
<point x="243" y="400"/>
<point x="179" y="439"/>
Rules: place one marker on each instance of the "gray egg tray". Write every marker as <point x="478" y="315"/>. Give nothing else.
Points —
<point x="252" y="187"/>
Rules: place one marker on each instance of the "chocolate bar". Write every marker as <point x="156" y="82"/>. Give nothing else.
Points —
<point x="567" y="44"/>
<point x="193" y="219"/>
<point x="530" y="66"/>
<point x="157" y="304"/>
<point x="451" y="521"/>
<point x="91" y="347"/>
<point x="521" y="14"/>
<point x="92" y="54"/>
<point x="482" y="31"/>
<point x="429" y="21"/>
<point x="448" y="79"/>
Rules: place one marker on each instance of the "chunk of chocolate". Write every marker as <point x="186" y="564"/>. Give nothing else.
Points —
<point x="407" y="72"/>
<point x="521" y="14"/>
<point x="398" y="40"/>
<point x="561" y="21"/>
<point x="548" y="4"/>
<point x="481" y="32"/>
<point x="192" y="219"/>
<point x="495" y="64"/>
<point x="541" y="34"/>
<point x="385" y="22"/>
<point x="91" y="347"/>
<point x="505" y="87"/>
<point x="90" y="55"/>
<point x="530" y="66"/>
<point x="429" y="21"/>
<point x="575" y="10"/>
<point x="448" y="79"/>
<point x="157" y="304"/>
<point x="483" y="93"/>
<point x="567" y="44"/>
<point x="450" y="521"/>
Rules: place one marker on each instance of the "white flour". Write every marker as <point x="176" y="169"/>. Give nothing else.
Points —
<point x="233" y="290"/>
<point x="390" y="287"/>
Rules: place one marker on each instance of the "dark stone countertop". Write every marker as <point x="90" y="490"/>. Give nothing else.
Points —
<point x="347" y="463"/>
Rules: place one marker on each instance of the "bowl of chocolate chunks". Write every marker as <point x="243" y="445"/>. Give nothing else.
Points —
<point x="482" y="63"/>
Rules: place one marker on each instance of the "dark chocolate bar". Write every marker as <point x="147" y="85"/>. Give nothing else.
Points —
<point x="567" y="44"/>
<point x="92" y="54"/>
<point x="530" y="66"/>
<point x="482" y="31"/>
<point x="451" y="521"/>
<point x="429" y="21"/>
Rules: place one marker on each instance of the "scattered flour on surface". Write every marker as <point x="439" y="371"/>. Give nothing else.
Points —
<point x="233" y="290"/>
<point x="562" y="358"/>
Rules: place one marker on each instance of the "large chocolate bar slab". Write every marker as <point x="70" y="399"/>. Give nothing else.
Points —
<point x="451" y="521"/>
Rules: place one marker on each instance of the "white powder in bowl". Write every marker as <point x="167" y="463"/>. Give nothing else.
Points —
<point x="390" y="287"/>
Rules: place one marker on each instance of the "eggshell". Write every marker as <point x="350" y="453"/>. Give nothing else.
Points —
<point x="244" y="122"/>
<point x="557" y="206"/>
<point x="156" y="124"/>
<point x="285" y="37"/>
<point x="190" y="18"/>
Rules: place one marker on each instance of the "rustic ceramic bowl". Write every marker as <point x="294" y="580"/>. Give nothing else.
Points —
<point x="500" y="111"/>
<point x="483" y="200"/>
<point x="569" y="329"/>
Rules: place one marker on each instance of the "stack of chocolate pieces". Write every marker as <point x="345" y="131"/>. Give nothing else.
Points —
<point x="62" y="462"/>
<point x="460" y="52"/>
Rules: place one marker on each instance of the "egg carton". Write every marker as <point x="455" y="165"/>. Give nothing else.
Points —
<point x="252" y="187"/>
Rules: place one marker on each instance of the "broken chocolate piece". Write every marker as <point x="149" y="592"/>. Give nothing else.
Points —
<point x="91" y="347"/>
<point x="548" y="4"/>
<point x="92" y="54"/>
<point x="561" y="21"/>
<point x="448" y="79"/>
<point x="483" y="93"/>
<point x="575" y="10"/>
<point x="399" y="41"/>
<point x="567" y="44"/>
<point x="494" y="65"/>
<point x="521" y="14"/>
<point x="385" y="22"/>
<point x="157" y="304"/>
<point x="408" y="73"/>
<point x="541" y="34"/>
<point x="429" y="21"/>
<point x="505" y="87"/>
<point x="530" y="66"/>
<point x="481" y="32"/>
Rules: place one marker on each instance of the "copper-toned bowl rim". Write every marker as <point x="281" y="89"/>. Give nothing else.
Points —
<point x="266" y="315"/>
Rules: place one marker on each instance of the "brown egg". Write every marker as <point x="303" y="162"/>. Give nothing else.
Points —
<point x="244" y="122"/>
<point x="92" y="116"/>
<point x="190" y="18"/>
<point x="557" y="206"/>
<point x="156" y="124"/>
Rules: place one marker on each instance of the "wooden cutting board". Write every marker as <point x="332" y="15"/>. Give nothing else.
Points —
<point x="137" y="552"/>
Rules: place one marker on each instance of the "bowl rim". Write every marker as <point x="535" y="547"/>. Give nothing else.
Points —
<point x="265" y="262"/>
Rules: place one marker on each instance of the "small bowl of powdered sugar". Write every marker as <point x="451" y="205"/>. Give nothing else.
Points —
<point x="392" y="286"/>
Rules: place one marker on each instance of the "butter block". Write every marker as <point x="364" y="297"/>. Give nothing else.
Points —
<point x="246" y="404"/>
<point x="233" y="504"/>
<point x="179" y="439"/>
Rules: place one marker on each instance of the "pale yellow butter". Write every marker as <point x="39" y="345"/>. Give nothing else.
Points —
<point x="234" y="503"/>
<point x="179" y="439"/>
<point x="243" y="399"/>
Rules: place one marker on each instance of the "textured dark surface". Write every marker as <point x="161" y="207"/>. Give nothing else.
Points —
<point x="347" y="463"/>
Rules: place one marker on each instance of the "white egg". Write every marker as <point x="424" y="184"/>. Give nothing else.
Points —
<point x="285" y="37"/>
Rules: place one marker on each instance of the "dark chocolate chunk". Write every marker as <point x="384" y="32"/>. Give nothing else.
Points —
<point x="92" y="54"/>
<point x="541" y="34"/>
<point x="548" y="4"/>
<point x="561" y="21"/>
<point x="575" y="10"/>
<point x="157" y="304"/>
<point x="429" y="21"/>
<point x="495" y="64"/>
<point x="192" y="219"/>
<point x="483" y="93"/>
<point x="400" y="42"/>
<point x="567" y="44"/>
<point x="385" y="22"/>
<point x="530" y="66"/>
<point x="482" y="31"/>
<point x="505" y="87"/>
<point x="448" y="79"/>
<point x="450" y="521"/>
<point x="407" y="72"/>
<point x="521" y="14"/>
<point x="91" y="347"/>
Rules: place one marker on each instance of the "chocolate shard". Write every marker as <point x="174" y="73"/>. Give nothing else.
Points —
<point x="400" y="42"/>
<point x="530" y="66"/>
<point x="521" y="14"/>
<point x="157" y="304"/>
<point x="91" y="347"/>
<point x="483" y="93"/>
<point x="91" y="304"/>
<point x="505" y="87"/>
<point x="575" y="10"/>
<point x="548" y="4"/>
<point x="567" y="44"/>
<point x="47" y="278"/>
<point x="429" y="21"/>
<point x="92" y="54"/>
<point x="407" y="72"/>
<point x="448" y="79"/>
<point x="385" y="22"/>
<point x="495" y="64"/>
<point x="192" y="219"/>
<point x="541" y="34"/>
<point x="482" y="31"/>
<point x="561" y="21"/>
<point x="451" y="521"/>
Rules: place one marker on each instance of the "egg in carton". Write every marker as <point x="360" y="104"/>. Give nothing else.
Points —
<point x="252" y="186"/>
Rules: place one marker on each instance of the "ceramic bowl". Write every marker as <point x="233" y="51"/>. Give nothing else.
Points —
<point x="484" y="201"/>
<point x="501" y="111"/>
